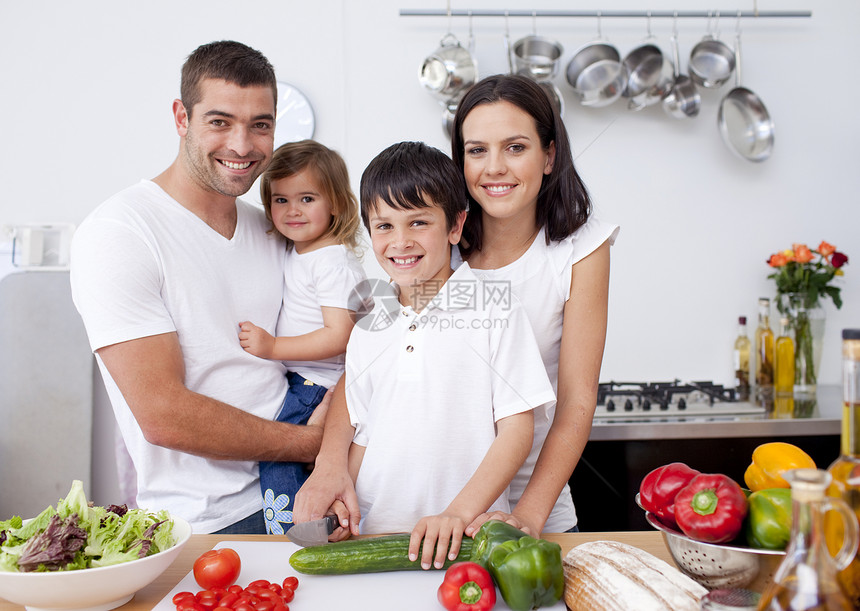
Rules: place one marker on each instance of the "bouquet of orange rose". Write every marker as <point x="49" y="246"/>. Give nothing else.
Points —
<point x="802" y="277"/>
<point x="808" y="272"/>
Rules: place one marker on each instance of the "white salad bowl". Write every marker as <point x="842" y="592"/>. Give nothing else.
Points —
<point x="94" y="589"/>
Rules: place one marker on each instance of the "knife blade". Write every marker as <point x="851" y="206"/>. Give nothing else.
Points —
<point x="315" y="532"/>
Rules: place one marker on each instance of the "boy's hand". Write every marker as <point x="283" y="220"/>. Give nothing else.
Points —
<point x="341" y="532"/>
<point x="255" y="340"/>
<point x="436" y="531"/>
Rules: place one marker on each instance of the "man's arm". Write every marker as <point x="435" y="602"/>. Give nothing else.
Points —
<point x="330" y="480"/>
<point x="150" y="373"/>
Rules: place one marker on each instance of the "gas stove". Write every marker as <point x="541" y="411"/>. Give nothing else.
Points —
<point x="676" y="400"/>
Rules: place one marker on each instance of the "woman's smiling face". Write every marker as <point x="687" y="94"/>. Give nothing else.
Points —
<point x="504" y="163"/>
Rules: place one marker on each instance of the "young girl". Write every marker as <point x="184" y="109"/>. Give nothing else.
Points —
<point x="307" y="197"/>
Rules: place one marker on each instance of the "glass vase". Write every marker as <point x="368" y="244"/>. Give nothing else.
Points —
<point x="806" y="319"/>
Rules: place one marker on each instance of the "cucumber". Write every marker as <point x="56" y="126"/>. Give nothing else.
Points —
<point x="370" y="555"/>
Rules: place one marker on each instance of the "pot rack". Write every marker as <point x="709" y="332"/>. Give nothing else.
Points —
<point x="755" y="13"/>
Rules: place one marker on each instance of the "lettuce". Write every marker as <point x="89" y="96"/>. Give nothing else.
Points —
<point x="78" y="536"/>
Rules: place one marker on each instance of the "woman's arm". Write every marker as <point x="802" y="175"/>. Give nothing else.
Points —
<point x="330" y="480"/>
<point x="323" y="343"/>
<point x="503" y="459"/>
<point x="582" y="341"/>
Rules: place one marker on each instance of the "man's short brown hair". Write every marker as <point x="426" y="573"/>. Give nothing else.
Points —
<point x="231" y="61"/>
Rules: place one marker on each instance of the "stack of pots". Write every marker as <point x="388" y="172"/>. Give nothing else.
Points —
<point x="447" y="73"/>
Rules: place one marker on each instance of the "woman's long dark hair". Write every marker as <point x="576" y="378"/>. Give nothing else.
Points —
<point x="563" y="204"/>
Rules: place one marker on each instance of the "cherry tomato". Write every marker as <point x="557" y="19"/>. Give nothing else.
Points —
<point x="291" y="582"/>
<point x="217" y="568"/>
<point x="180" y="596"/>
<point x="287" y="595"/>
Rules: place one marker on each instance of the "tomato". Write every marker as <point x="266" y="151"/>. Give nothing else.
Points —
<point x="291" y="582"/>
<point x="217" y="568"/>
<point x="180" y="596"/>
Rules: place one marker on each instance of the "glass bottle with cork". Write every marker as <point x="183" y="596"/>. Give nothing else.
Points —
<point x="845" y="470"/>
<point x="764" y="353"/>
<point x="741" y="358"/>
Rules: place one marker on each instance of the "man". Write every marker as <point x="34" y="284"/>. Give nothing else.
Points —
<point x="163" y="272"/>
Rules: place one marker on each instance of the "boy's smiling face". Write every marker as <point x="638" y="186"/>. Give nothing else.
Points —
<point x="413" y="246"/>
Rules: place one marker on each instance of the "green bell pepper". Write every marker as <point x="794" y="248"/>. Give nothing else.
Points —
<point x="768" y="523"/>
<point x="528" y="571"/>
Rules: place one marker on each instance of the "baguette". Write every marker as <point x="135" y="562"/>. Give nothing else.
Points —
<point x="613" y="576"/>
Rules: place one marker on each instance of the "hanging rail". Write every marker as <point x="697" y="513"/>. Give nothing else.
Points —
<point x="644" y="14"/>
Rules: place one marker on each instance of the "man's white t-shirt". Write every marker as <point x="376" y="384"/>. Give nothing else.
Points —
<point x="540" y="278"/>
<point x="325" y="277"/>
<point x="424" y="391"/>
<point x="143" y="265"/>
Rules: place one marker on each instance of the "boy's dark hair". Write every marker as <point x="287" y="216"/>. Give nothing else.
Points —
<point x="231" y="61"/>
<point x="408" y="174"/>
<point x="563" y="203"/>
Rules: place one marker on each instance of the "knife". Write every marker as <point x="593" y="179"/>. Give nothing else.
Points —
<point x="315" y="532"/>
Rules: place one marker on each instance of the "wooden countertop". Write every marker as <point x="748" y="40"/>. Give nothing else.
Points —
<point x="148" y="597"/>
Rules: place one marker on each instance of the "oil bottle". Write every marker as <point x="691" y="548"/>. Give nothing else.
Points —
<point x="845" y="470"/>
<point x="806" y="580"/>
<point x="742" y="361"/>
<point x="784" y="361"/>
<point x="764" y="349"/>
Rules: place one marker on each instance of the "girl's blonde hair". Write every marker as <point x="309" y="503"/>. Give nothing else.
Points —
<point x="332" y="179"/>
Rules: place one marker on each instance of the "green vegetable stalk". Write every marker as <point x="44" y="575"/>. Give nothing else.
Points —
<point x="528" y="571"/>
<point x="768" y="523"/>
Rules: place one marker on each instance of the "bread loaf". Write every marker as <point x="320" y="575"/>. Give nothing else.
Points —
<point x="611" y="576"/>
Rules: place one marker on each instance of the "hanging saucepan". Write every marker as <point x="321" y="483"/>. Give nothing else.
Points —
<point x="554" y="95"/>
<point x="596" y="73"/>
<point x="683" y="100"/>
<point x="449" y="70"/>
<point x="449" y="109"/>
<point x="745" y="124"/>
<point x="649" y="74"/>
<point x="535" y="56"/>
<point x="711" y="61"/>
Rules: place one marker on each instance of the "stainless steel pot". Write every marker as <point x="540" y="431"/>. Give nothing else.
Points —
<point x="683" y="100"/>
<point x="597" y="74"/>
<point x="650" y="76"/>
<point x="537" y="57"/>
<point x="711" y="61"/>
<point x="555" y="97"/>
<point x="449" y="70"/>
<point x="744" y="122"/>
<point x="449" y="109"/>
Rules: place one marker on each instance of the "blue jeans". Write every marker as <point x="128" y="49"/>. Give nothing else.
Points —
<point x="254" y="524"/>
<point x="279" y="481"/>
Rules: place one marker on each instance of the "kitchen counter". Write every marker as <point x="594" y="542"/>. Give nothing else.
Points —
<point x="821" y="415"/>
<point x="150" y="596"/>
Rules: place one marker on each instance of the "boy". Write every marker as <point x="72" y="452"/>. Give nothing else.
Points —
<point x="442" y="379"/>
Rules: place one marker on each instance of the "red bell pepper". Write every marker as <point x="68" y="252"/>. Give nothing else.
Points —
<point x="711" y="508"/>
<point x="467" y="587"/>
<point x="658" y="489"/>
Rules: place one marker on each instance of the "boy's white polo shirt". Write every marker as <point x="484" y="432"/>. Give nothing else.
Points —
<point x="424" y="390"/>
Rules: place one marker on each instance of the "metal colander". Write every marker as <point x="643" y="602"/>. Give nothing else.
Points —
<point x="719" y="566"/>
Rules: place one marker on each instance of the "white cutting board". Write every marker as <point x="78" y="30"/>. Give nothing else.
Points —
<point x="412" y="590"/>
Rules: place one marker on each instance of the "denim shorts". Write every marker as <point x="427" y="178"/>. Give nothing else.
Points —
<point x="279" y="481"/>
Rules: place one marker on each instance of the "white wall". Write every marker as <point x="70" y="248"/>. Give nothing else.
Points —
<point x="87" y="90"/>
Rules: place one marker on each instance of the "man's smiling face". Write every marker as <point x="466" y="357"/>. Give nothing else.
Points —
<point x="229" y="136"/>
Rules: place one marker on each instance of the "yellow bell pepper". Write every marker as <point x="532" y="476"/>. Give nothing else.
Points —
<point x="770" y="461"/>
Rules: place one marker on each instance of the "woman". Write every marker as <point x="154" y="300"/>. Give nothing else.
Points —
<point x="530" y="225"/>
